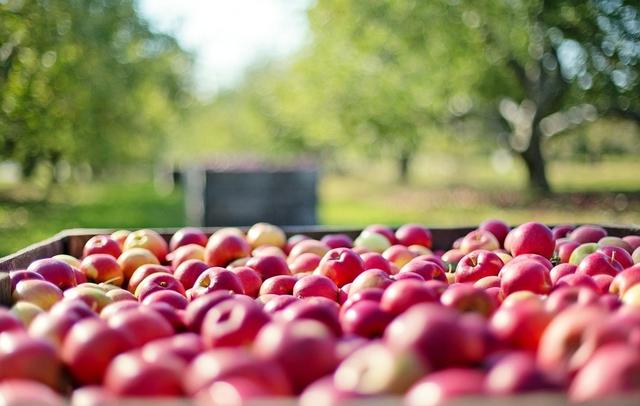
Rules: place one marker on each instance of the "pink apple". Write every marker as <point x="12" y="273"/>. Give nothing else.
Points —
<point x="186" y="346"/>
<point x="401" y="295"/>
<point x="562" y="230"/>
<point x="561" y="270"/>
<point x="130" y="375"/>
<point x="374" y="260"/>
<point x="565" y="250"/>
<point x="233" y="323"/>
<point x="278" y="285"/>
<point x="623" y="281"/>
<point x="102" y="268"/>
<point x="189" y="271"/>
<point x="633" y="241"/>
<point x="371" y="278"/>
<point x="158" y="282"/>
<point x="598" y="263"/>
<point x="269" y="266"/>
<point x="250" y="280"/>
<point x="565" y="296"/>
<point x="410" y="234"/>
<point x="16" y="392"/>
<point x="185" y="253"/>
<point x="55" y="271"/>
<point x="476" y="265"/>
<point x="517" y="372"/>
<point x="9" y="322"/>
<point x="453" y="257"/>
<point x="488" y="282"/>
<point x="525" y="275"/>
<point x="577" y="279"/>
<point x="102" y="244"/>
<point x="307" y="262"/>
<point x="341" y="265"/>
<point x="445" y="386"/>
<point x="427" y="269"/>
<point x="224" y="248"/>
<point x="315" y="285"/>
<point x="170" y="297"/>
<point x="29" y="358"/>
<point x="22" y="274"/>
<point x="337" y="241"/>
<point x="398" y="254"/>
<point x="278" y="302"/>
<point x="383" y="230"/>
<point x="309" y="246"/>
<point x="214" y="279"/>
<point x="187" y="235"/>
<point x="142" y="272"/>
<point x="198" y="308"/>
<point x="532" y="238"/>
<point x="588" y="233"/>
<point x="319" y="309"/>
<point x="467" y="298"/>
<point x="498" y="228"/>
<point x="521" y="325"/>
<point x="365" y="318"/>
<point x="617" y="254"/>
<point x="141" y="325"/>
<point x="611" y="241"/>
<point x="479" y="240"/>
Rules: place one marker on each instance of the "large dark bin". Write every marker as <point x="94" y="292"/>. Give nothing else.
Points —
<point x="237" y="196"/>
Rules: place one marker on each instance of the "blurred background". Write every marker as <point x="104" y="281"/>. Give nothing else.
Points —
<point x="444" y="112"/>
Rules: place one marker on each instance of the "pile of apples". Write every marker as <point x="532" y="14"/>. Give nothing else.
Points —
<point x="235" y="317"/>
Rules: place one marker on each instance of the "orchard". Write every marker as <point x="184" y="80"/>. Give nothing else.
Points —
<point x="250" y="315"/>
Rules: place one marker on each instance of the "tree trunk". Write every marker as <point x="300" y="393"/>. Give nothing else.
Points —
<point x="404" y="161"/>
<point x="535" y="163"/>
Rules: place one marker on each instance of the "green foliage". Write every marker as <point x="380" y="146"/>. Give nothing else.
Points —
<point x="86" y="81"/>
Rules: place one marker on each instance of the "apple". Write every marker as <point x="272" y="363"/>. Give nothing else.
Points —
<point x="278" y="302"/>
<point x="617" y="254"/>
<point x="227" y="363"/>
<point x="598" y="263"/>
<point x="611" y="372"/>
<point x="437" y="334"/>
<point x="69" y="259"/>
<point x="365" y="318"/>
<point x="370" y="294"/>
<point x="141" y="325"/>
<point x="517" y="372"/>
<point x="9" y="322"/>
<point x="636" y="256"/>
<point x="565" y="250"/>
<point x="398" y="254"/>
<point x="324" y="392"/>
<point x="25" y="357"/>
<point x="308" y="246"/>
<point x="266" y="234"/>
<point x="186" y="236"/>
<point x="532" y="238"/>
<point x="102" y="244"/>
<point x="337" y="241"/>
<point x="319" y="309"/>
<point x="375" y="260"/>
<point x="611" y="241"/>
<point x="562" y="230"/>
<point x="315" y="285"/>
<point x="407" y="275"/>
<point x="198" y="308"/>
<point x="214" y="279"/>
<point x="341" y="265"/>
<point x="149" y="240"/>
<point x="467" y="298"/>
<point x="185" y="346"/>
<point x="53" y="327"/>
<point x="264" y="250"/>
<point x="566" y="296"/>
<point x="632" y="240"/>
<point x="383" y="230"/>
<point x="487" y="282"/>
<point x="427" y="269"/>
<point x="304" y="349"/>
<point x="15" y="392"/>
<point x="293" y="240"/>
<point x="623" y="281"/>
<point x="92" y="395"/>
<point x="55" y="271"/>
<point x="452" y="258"/>
<point x="142" y="273"/>
<point x="582" y="251"/>
<point x="233" y="323"/>
<point x="157" y="282"/>
<point x="102" y="268"/>
<point x="577" y="279"/>
<point x="170" y="297"/>
<point x="41" y="293"/>
<point x="269" y="266"/>
<point x="25" y="312"/>
<point x="307" y="262"/>
<point x="130" y="375"/>
<point x="120" y="236"/>
<point x="371" y="278"/>
<point x="410" y="234"/>
<point x="133" y="258"/>
<point x="189" y="271"/>
<point x="479" y="240"/>
<point x="561" y="270"/>
<point x="532" y="257"/>
<point x="498" y="228"/>
<point x="118" y="307"/>
<point x="22" y="274"/>
<point x="278" y="285"/>
<point x="74" y="308"/>
<point x="95" y="297"/>
<point x="445" y="386"/>
<point x="185" y="253"/>
<point x="521" y="296"/>
<point x="521" y="324"/>
<point x="588" y="233"/>
<point x="632" y="296"/>
<point x="476" y="265"/>
<point x="525" y="275"/>
<point x="86" y="365"/>
<point x="224" y="248"/>
<point x="371" y="242"/>
<point x="250" y="280"/>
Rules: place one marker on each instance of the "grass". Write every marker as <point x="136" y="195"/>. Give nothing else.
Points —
<point x="443" y="191"/>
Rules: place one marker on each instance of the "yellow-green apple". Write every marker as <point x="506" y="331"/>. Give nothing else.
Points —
<point x="588" y="233"/>
<point x="445" y="386"/>
<point x="41" y="293"/>
<point x="95" y="297"/>
<point x="479" y="240"/>
<point x="341" y="265"/>
<point x="186" y="236"/>
<point x="498" y="228"/>
<point x="410" y="234"/>
<point x="133" y="258"/>
<point x="315" y="285"/>
<point x="632" y="296"/>
<point x="233" y="323"/>
<point x="266" y="234"/>
<point x="55" y="271"/>
<point x="383" y="230"/>
<point x="120" y="236"/>
<point x="102" y="268"/>
<point x="29" y="358"/>
<point x="476" y="265"/>
<point x="25" y="312"/>
<point x="278" y="285"/>
<point x="371" y="242"/>
<point x="119" y="294"/>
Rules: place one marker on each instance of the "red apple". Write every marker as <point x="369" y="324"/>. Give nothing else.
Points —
<point x="398" y="254"/>
<point x="293" y="241"/>
<point x="53" y="327"/>
<point x="133" y="258"/>
<point x="92" y="395"/>
<point x="308" y="246"/>
<point x="85" y="363"/>
<point x="370" y="294"/>
<point x="498" y="228"/>
<point x="16" y="392"/>
<point x="532" y="257"/>
<point x="315" y="285"/>
<point x="189" y="271"/>
<point x="565" y="250"/>
<point x="562" y="230"/>
<point x="365" y="318"/>
<point x="445" y="386"/>
<point x="307" y="262"/>
<point x="130" y="375"/>
<point x="170" y="297"/>
<point x="410" y="234"/>
<point x="521" y="325"/>
<point x="561" y="270"/>
<point x="25" y="357"/>
<point x="269" y="265"/>
<point x="525" y="275"/>
<point x="187" y="235"/>
<point x="278" y="302"/>
<point x="22" y="274"/>
<point x="407" y="275"/>
<point x="564" y="297"/>
<point x="9" y="322"/>
<point x="266" y="234"/>
<point x="532" y="238"/>
<point x="214" y="279"/>
<point x="467" y="298"/>
<point x="185" y="253"/>
<point x="141" y="274"/>
<point x="617" y="254"/>
<point x="371" y="278"/>
<point x="479" y="240"/>
<point x="224" y="248"/>
<point x="517" y="372"/>
<point x="598" y="263"/>
<point x="198" y="308"/>
<point x="303" y="348"/>
<point x="611" y="241"/>
<point x="118" y="307"/>
<point x="41" y="293"/>
<point x="588" y="233"/>
<point x="102" y="268"/>
<point x="147" y="239"/>
<point x="374" y="260"/>
<point x="477" y="265"/>
<point x="185" y="346"/>
<point x="278" y="285"/>
<point x="233" y="323"/>
<point x="341" y="265"/>
<point x="337" y="241"/>
<point x="250" y="280"/>
<point x="319" y="309"/>
<point x="427" y="269"/>
<point x="102" y="244"/>
<point x="576" y="279"/>
<point x="55" y="271"/>
<point x="157" y="282"/>
<point x="141" y="325"/>
<point x="623" y="281"/>
<point x="452" y="257"/>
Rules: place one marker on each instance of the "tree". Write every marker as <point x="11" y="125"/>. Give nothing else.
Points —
<point x="85" y="81"/>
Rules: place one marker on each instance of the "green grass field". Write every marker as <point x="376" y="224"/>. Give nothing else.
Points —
<point x="605" y="193"/>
